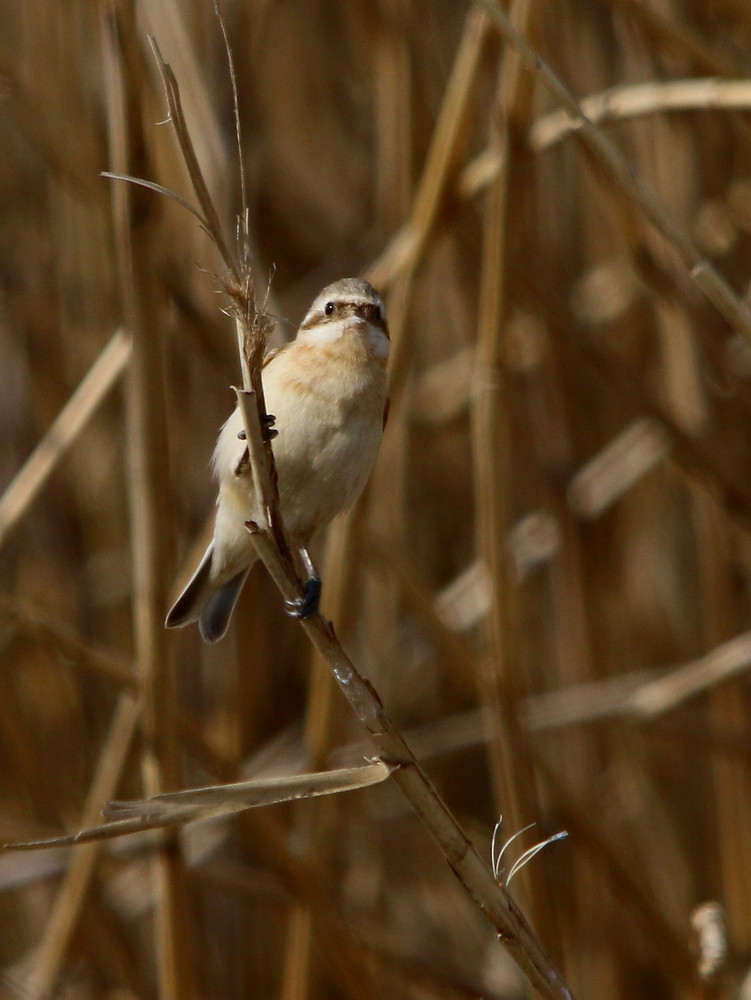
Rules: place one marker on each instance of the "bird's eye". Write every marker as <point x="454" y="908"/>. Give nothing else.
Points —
<point x="329" y="308"/>
<point x="377" y="314"/>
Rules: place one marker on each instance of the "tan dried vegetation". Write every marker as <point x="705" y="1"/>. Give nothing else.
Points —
<point x="547" y="581"/>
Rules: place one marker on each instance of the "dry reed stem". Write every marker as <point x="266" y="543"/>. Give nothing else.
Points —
<point x="319" y="735"/>
<point x="146" y="436"/>
<point x="346" y="962"/>
<point x="448" y="138"/>
<point x="617" y="467"/>
<point x="392" y="115"/>
<point x="634" y="100"/>
<point x="497" y="905"/>
<point x="191" y="804"/>
<point x="449" y="135"/>
<point x="701" y="271"/>
<point x="167" y="20"/>
<point x="615" y="104"/>
<point x="71" y="897"/>
<point x="664" y="694"/>
<point x="253" y="329"/>
<point x="176" y="119"/>
<point x="728" y="711"/>
<point x="296" y="970"/>
<point x="585" y="702"/>
<point x="70" y="422"/>
<point x="220" y="800"/>
<point x="498" y="675"/>
<point x="441" y="163"/>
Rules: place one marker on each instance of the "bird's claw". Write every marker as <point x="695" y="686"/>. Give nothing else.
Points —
<point x="307" y="605"/>
<point x="267" y="427"/>
<point x="267" y="432"/>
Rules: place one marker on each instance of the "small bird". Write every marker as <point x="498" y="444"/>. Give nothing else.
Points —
<point x="327" y="391"/>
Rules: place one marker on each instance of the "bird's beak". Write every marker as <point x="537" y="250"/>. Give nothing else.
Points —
<point x="357" y="324"/>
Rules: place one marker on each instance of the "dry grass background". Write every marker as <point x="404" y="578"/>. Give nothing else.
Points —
<point x="568" y="433"/>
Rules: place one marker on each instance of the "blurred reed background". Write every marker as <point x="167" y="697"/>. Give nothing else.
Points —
<point x="547" y="580"/>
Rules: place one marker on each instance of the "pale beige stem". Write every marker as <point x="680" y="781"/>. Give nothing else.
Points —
<point x="69" y="423"/>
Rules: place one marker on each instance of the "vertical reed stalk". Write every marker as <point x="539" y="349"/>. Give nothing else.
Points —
<point x="149" y="499"/>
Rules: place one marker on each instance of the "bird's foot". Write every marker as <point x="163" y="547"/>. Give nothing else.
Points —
<point x="307" y="605"/>
<point x="267" y="431"/>
<point x="267" y="427"/>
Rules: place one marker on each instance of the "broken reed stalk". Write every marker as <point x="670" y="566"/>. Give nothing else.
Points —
<point x="253" y="326"/>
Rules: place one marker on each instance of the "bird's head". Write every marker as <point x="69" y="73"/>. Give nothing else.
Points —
<point x="349" y="306"/>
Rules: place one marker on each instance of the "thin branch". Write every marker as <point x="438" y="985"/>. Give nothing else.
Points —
<point x="458" y="851"/>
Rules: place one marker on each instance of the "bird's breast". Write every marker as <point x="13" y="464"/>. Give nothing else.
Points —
<point x="329" y="414"/>
<point x="328" y="403"/>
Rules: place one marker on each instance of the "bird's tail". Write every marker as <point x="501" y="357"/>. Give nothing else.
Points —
<point x="201" y="601"/>
<point x="219" y="607"/>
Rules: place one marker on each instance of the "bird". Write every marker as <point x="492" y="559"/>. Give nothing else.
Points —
<point x="326" y="393"/>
